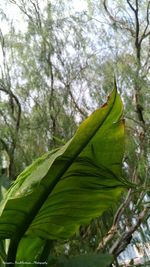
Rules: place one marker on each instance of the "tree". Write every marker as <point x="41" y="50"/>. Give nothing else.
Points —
<point x="60" y="67"/>
<point x="128" y="18"/>
<point x="10" y="112"/>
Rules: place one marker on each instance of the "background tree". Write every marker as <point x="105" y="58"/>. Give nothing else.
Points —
<point x="54" y="72"/>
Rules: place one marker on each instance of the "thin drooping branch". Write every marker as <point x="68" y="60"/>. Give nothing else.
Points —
<point x="108" y="12"/>
<point x="5" y="72"/>
<point x="131" y="6"/>
<point x="146" y="64"/>
<point x="14" y="135"/>
<point x="138" y="43"/>
<point x="114" y="227"/>
<point x="76" y="104"/>
<point x="32" y="13"/>
<point x="125" y="239"/>
<point x="68" y="83"/>
<point x="52" y="94"/>
<point x="145" y="33"/>
<point x="118" y="22"/>
<point x="137" y="31"/>
<point x="49" y="62"/>
<point x="5" y="146"/>
<point x="134" y="120"/>
<point x="12" y="95"/>
<point x="5" y="87"/>
<point x="23" y="9"/>
<point x="37" y="12"/>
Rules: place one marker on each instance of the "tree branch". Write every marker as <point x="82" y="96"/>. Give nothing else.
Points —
<point x="114" y="227"/>
<point x="75" y="102"/>
<point x="130" y="5"/>
<point x="5" y="146"/>
<point x="119" y="23"/>
<point x="137" y="27"/>
<point x="145" y="35"/>
<point x="23" y="9"/>
<point x="122" y="243"/>
<point x="12" y="95"/>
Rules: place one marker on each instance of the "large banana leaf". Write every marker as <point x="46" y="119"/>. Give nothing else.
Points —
<point x="69" y="186"/>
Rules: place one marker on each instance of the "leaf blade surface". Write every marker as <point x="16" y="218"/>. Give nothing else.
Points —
<point x="78" y="182"/>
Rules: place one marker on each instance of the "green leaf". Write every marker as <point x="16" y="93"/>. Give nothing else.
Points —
<point x="29" y="250"/>
<point x="93" y="260"/>
<point x="70" y="186"/>
<point x="2" y="250"/>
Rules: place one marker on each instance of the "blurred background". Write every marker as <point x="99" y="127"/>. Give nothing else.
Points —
<point x="57" y="64"/>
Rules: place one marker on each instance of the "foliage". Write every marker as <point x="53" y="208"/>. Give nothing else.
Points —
<point x="56" y="67"/>
<point x="68" y="186"/>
